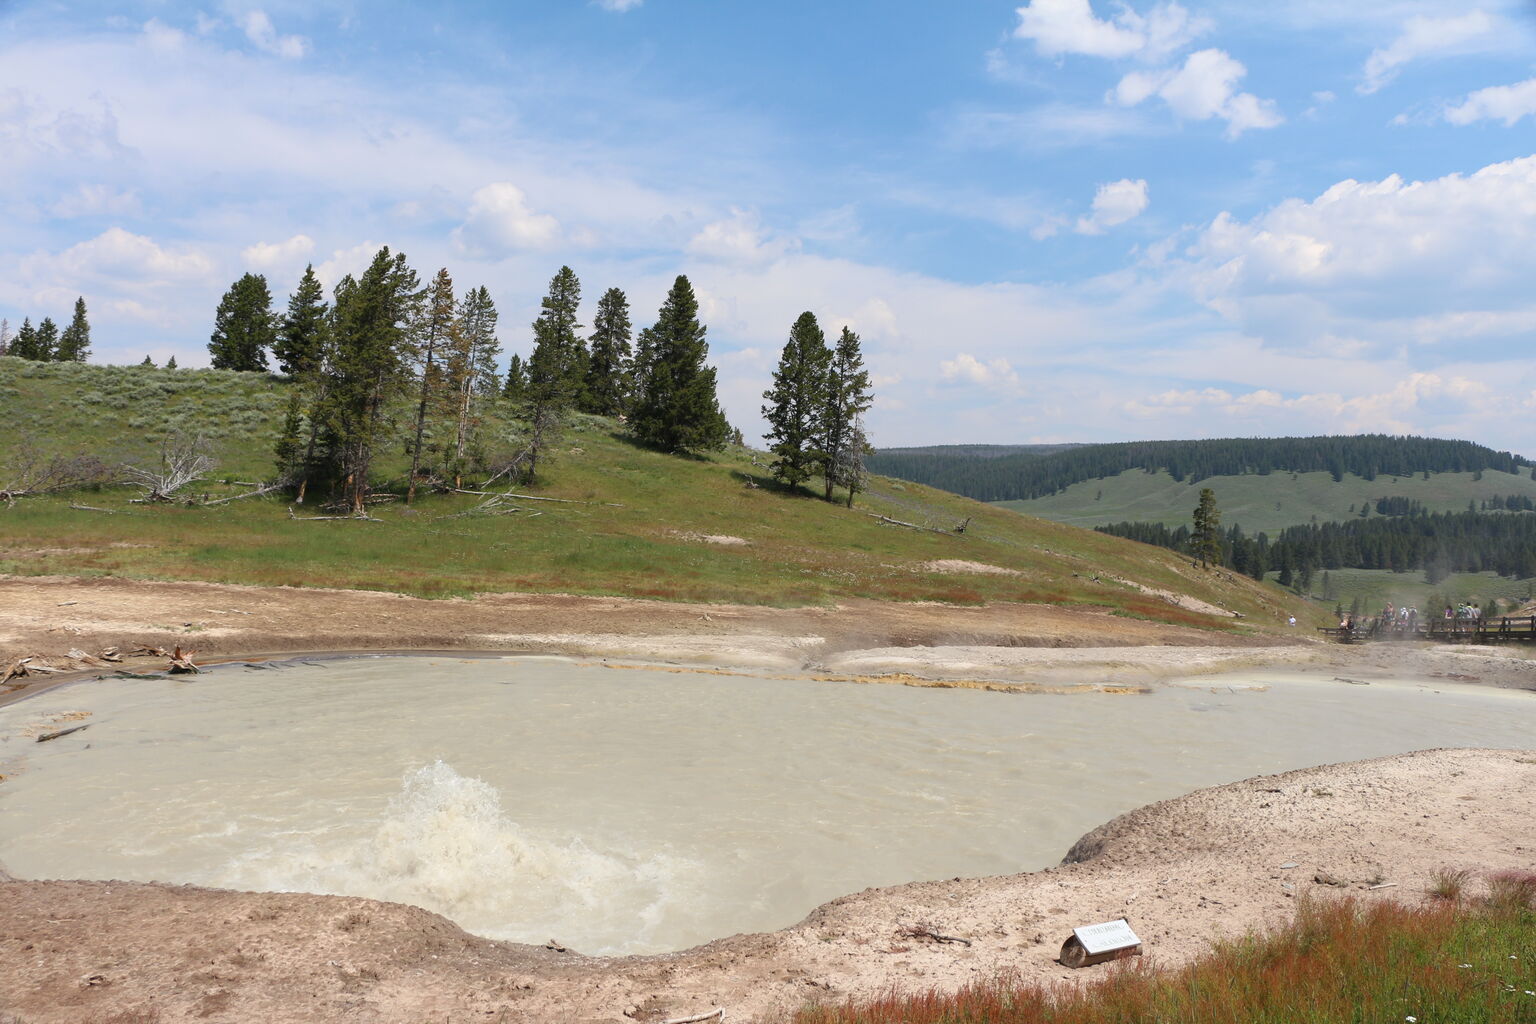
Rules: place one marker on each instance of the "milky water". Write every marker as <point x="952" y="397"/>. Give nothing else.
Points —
<point x="638" y="810"/>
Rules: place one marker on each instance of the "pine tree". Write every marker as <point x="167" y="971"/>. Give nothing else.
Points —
<point x="75" y="342"/>
<point x="434" y="331"/>
<point x="1205" y="539"/>
<point x="243" y="326"/>
<point x="679" y="411"/>
<point x="170" y="364"/>
<point x="471" y="368"/>
<point x="608" y="373"/>
<point x="47" y="343"/>
<point x="848" y="470"/>
<point x="559" y="356"/>
<point x="148" y="362"/>
<point x="798" y="402"/>
<point x="516" y="387"/>
<point x="25" y="345"/>
<point x="370" y="320"/>
<point x="289" y="449"/>
<point x="848" y="398"/>
<point x="300" y="340"/>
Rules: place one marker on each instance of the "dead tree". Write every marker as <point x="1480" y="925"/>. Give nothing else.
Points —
<point x="183" y="461"/>
<point x="27" y="471"/>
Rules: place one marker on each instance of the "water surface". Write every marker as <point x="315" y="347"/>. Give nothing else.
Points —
<point x="642" y="810"/>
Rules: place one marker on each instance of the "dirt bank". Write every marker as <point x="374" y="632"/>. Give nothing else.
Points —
<point x="1185" y="871"/>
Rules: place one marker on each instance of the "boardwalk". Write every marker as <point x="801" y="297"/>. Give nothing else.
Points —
<point x="1504" y="629"/>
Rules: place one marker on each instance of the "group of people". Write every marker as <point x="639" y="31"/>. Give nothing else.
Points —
<point x="1464" y="611"/>
<point x="1405" y="619"/>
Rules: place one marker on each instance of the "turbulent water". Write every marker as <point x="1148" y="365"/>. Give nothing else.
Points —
<point x="637" y="810"/>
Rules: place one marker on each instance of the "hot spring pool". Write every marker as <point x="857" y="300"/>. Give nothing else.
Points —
<point x="630" y="810"/>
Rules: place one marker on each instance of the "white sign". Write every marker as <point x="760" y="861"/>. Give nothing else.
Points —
<point x="1101" y="938"/>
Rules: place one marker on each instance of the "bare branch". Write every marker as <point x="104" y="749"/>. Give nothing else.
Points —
<point x="183" y="461"/>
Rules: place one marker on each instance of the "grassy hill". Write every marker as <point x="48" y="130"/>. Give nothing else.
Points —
<point x="1266" y="503"/>
<point x="632" y="521"/>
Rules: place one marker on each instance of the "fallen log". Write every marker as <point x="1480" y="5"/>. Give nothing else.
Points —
<point x="146" y="651"/>
<point x="45" y="737"/>
<point x="93" y="508"/>
<point x="18" y="670"/>
<point x="181" y="662"/>
<point x="718" y="1011"/>
<point x="910" y="526"/>
<point x="331" y="519"/>
<point x="532" y="497"/>
<point x="264" y="489"/>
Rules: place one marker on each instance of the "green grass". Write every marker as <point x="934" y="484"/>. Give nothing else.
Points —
<point x="1258" y="503"/>
<point x="636" y="530"/>
<point x="1336" y="963"/>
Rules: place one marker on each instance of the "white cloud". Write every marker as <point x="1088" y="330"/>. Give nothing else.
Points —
<point x="265" y="256"/>
<point x="1507" y="103"/>
<point x="163" y="38"/>
<point x="738" y="239"/>
<point x="966" y="368"/>
<point x="95" y="200"/>
<point x="258" y="28"/>
<point x="619" y="6"/>
<point x="1204" y="88"/>
<point x="1069" y="26"/>
<point x="1114" y="203"/>
<point x="121" y="256"/>
<point x="500" y="222"/>
<point x="1424" y="36"/>
<point x="352" y="260"/>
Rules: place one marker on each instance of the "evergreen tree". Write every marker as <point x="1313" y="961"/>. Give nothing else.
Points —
<point x="170" y="364"/>
<point x="25" y="345"/>
<point x="370" y="320"/>
<point x="434" y="331"/>
<point x="516" y="388"/>
<point x="289" y="449"/>
<point x="47" y="343"/>
<point x="148" y="362"/>
<point x="471" y="368"/>
<point x="243" y="326"/>
<point x="848" y="398"/>
<point x="848" y="470"/>
<point x="679" y="410"/>
<point x="75" y="342"/>
<point x="558" y="362"/>
<point x="300" y="340"/>
<point x="798" y="403"/>
<point x="1205" y="539"/>
<point x="608" y="373"/>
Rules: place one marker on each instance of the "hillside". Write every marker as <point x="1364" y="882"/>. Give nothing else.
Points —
<point x="1028" y="476"/>
<point x="628" y="520"/>
<point x="1264" y="503"/>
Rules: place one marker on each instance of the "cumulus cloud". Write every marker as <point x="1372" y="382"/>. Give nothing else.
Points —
<point x="1114" y="203"/>
<point x="95" y="200"/>
<point x="121" y="256"/>
<point x="163" y="38"/>
<point x="1204" y="87"/>
<point x="1069" y="26"/>
<point x="619" y="6"/>
<point x="1507" y="103"/>
<point x="277" y="255"/>
<point x="1424" y="36"/>
<point x="500" y="222"/>
<point x="967" y="369"/>
<point x="738" y="239"/>
<point x="258" y="28"/>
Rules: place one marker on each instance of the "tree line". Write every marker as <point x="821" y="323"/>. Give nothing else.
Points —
<point x="1437" y="543"/>
<point x="1024" y="476"/>
<point x="383" y="339"/>
<point x="45" y="343"/>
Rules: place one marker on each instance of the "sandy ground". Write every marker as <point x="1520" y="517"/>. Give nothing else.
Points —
<point x="1184" y="871"/>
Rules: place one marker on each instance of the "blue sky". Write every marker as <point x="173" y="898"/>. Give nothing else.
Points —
<point x="1067" y="220"/>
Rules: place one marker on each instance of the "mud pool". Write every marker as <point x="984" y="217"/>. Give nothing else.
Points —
<point x="637" y="810"/>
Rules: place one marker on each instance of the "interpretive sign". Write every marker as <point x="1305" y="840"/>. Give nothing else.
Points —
<point x="1096" y="943"/>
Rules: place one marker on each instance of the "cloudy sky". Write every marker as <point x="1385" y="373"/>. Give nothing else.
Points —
<point x="1066" y="221"/>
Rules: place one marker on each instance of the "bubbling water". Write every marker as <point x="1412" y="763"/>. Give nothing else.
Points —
<point x="642" y="810"/>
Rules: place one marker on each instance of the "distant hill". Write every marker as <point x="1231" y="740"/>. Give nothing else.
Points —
<point x="887" y="457"/>
<point x="1030" y="474"/>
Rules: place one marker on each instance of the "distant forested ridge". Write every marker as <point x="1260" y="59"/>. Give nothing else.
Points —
<point x="1437" y="542"/>
<point x="1024" y="475"/>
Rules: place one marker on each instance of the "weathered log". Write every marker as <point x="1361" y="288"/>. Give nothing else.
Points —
<point x="93" y="508"/>
<point x="331" y="519"/>
<point x="146" y="651"/>
<point x="260" y="490"/>
<point x="910" y="526"/>
<point x="17" y="670"/>
<point x="45" y="737"/>
<point x="181" y="662"/>
<point x="718" y="1011"/>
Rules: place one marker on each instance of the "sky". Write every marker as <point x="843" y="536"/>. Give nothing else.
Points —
<point x="1071" y="220"/>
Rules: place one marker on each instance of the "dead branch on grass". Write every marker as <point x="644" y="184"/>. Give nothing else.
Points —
<point x="258" y="492"/>
<point x="27" y="472"/>
<point x="183" y="461"/>
<point x="923" y="931"/>
<point x="910" y="526"/>
<point x="331" y="519"/>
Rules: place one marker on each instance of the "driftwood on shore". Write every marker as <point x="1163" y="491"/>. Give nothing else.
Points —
<point x="45" y="737"/>
<point x="718" y="1011"/>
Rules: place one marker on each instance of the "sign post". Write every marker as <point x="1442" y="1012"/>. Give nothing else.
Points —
<point x="1097" y="943"/>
